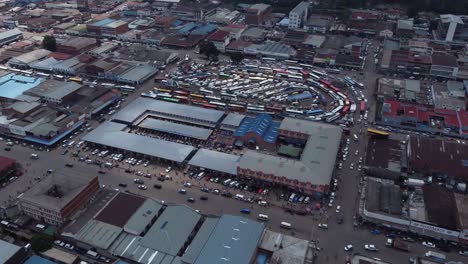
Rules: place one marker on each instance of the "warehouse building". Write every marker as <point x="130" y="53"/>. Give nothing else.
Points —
<point x="10" y="36"/>
<point x="143" y="230"/>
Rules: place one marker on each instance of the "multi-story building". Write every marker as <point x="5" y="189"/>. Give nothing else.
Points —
<point x="257" y="14"/>
<point x="298" y="16"/>
<point x="453" y="27"/>
<point x="58" y="196"/>
<point x="444" y="66"/>
<point x="220" y="39"/>
<point x="108" y="27"/>
<point x="312" y="172"/>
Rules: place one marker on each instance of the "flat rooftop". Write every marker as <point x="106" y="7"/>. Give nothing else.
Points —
<point x="142" y="105"/>
<point x="216" y="161"/>
<point x="68" y="184"/>
<point x="176" y="128"/>
<point x="111" y="134"/>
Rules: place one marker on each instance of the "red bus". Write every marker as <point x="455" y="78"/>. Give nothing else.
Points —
<point x="345" y="109"/>
<point x="304" y="73"/>
<point x="329" y="86"/>
<point x="206" y="105"/>
<point x="363" y="106"/>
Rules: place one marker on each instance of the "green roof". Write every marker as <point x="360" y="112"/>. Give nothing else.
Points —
<point x="289" y="151"/>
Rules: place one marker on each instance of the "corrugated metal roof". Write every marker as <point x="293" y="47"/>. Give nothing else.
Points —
<point x="232" y="119"/>
<point x="217" y="161"/>
<point x="138" y="73"/>
<point x="141" y="105"/>
<point x="200" y="240"/>
<point x="142" y="217"/>
<point x="233" y="241"/>
<point x="171" y="230"/>
<point x="10" y="33"/>
<point x="7" y="250"/>
<point x="176" y="129"/>
<point x="111" y="134"/>
<point x="98" y="234"/>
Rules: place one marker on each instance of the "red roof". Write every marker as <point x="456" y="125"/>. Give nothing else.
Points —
<point x="419" y="59"/>
<point x="424" y="114"/>
<point x="59" y="55"/>
<point x="363" y="15"/>
<point x="219" y="35"/>
<point x="6" y="163"/>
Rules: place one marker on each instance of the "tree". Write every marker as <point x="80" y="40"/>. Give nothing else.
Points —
<point x="208" y="49"/>
<point x="236" y="57"/>
<point x="41" y="242"/>
<point x="49" y="43"/>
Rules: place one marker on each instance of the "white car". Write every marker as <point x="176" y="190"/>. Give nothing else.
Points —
<point x="142" y="187"/>
<point x="370" y="247"/>
<point x="428" y="244"/>
<point x="262" y="203"/>
<point x="338" y="209"/>
<point x="348" y="248"/>
<point x="351" y="167"/>
<point x="168" y="169"/>
<point x="323" y="226"/>
<point x="187" y="184"/>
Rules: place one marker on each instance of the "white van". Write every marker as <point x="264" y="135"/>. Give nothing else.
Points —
<point x="40" y="227"/>
<point x="285" y="225"/>
<point x="226" y="182"/>
<point x="239" y="197"/>
<point x="355" y="137"/>
<point x="262" y="217"/>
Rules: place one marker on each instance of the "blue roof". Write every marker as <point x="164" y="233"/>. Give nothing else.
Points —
<point x="103" y="22"/>
<point x="176" y="23"/>
<point x="300" y="96"/>
<point x="262" y="125"/>
<point x="234" y="240"/>
<point x="38" y="260"/>
<point x="188" y="27"/>
<point x="204" y="30"/>
<point x="12" y="85"/>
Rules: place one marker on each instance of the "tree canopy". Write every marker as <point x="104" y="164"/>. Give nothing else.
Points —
<point x="208" y="49"/>
<point x="236" y="57"/>
<point x="41" y="242"/>
<point x="49" y="43"/>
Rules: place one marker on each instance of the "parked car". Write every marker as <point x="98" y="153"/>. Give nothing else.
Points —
<point x="191" y="200"/>
<point x="370" y="247"/>
<point x="245" y="211"/>
<point x="348" y="248"/>
<point x="122" y="184"/>
<point x="428" y="244"/>
<point x="157" y="186"/>
<point x="203" y="198"/>
<point x="182" y="191"/>
<point x="323" y="226"/>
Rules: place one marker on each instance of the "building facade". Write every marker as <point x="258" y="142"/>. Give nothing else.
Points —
<point x="298" y="16"/>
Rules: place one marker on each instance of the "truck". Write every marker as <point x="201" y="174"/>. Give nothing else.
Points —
<point x="436" y="255"/>
<point x="397" y="244"/>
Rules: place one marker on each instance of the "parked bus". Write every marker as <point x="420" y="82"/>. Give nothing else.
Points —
<point x="76" y="79"/>
<point x="363" y="106"/>
<point x="314" y="112"/>
<point x="205" y="91"/>
<point x="379" y="133"/>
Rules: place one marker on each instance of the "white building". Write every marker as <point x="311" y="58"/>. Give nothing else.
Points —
<point x="298" y="16"/>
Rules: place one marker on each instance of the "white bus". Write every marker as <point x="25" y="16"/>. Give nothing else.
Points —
<point x="205" y="91"/>
<point x="285" y="225"/>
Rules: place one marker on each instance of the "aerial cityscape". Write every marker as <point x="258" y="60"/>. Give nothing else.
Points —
<point x="233" y="132"/>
